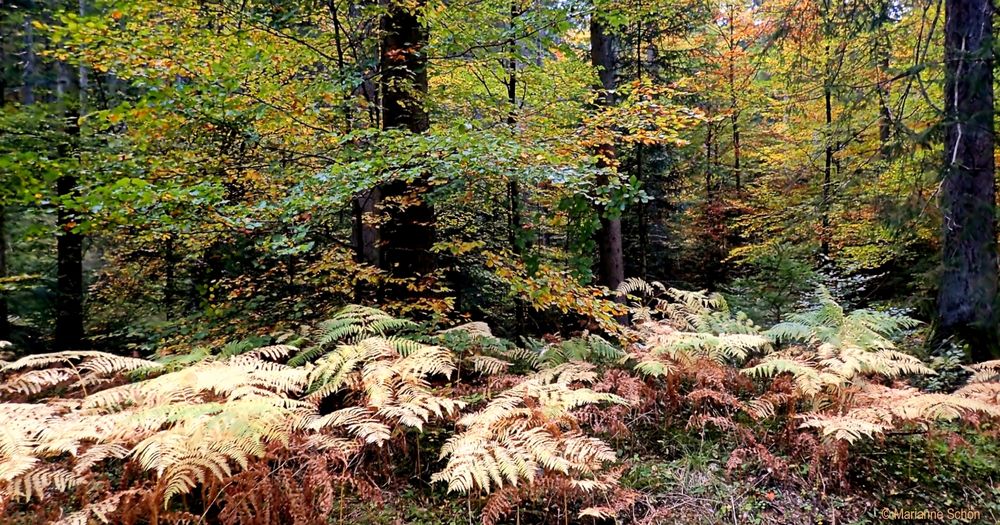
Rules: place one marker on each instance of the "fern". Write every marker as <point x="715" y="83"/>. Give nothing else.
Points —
<point x="477" y="348"/>
<point x="514" y="435"/>
<point x="350" y="325"/>
<point x="985" y="371"/>
<point x="589" y="348"/>
<point x="847" y="428"/>
<point x="828" y="324"/>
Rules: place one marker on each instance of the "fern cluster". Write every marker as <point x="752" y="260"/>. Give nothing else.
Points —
<point x="837" y="362"/>
<point x="277" y="432"/>
<point x="199" y="425"/>
<point x="196" y="422"/>
<point x="530" y="431"/>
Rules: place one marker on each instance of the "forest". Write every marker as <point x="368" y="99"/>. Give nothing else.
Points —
<point x="498" y="261"/>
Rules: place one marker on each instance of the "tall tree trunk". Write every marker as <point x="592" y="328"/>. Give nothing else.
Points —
<point x="30" y="59"/>
<point x="734" y="110"/>
<point x="968" y="287"/>
<point x="4" y="312"/>
<point x="513" y="185"/>
<point x="364" y="232"/>
<point x="69" y="256"/>
<point x="604" y="56"/>
<point x="737" y="172"/>
<point x="883" y="53"/>
<point x="639" y="175"/>
<point x="69" y="244"/>
<point x="169" y="277"/>
<point x="708" y="160"/>
<point x="828" y="163"/>
<point x="408" y="235"/>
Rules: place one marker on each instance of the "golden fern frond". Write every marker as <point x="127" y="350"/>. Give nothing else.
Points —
<point x="414" y="405"/>
<point x="273" y="352"/>
<point x="487" y="365"/>
<point x="985" y="392"/>
<point x="97" y="453"/>
<point x="518" y="432"/>
<point x="40" y="360"/>
<point x="686" y="346"/>
<point x="760" y="408"/>
<point x="22" y="426"/>
<point x="109" y="364"/>
<point x="985" y="371"/>
<point x="345" y="448"/>
<point x="808" y="379"/>
<point x="942" y="407"/>
<point x="586" y="453"/>
<point x="36" y="381"/>
<point x="34" y="483"/>
<point x="652" y="367"/>
<point x="356" y="421"/>
<point x="635" y="285"/>
<point x="98" y="362"/>
<point x="425" y="361"/>
<point x="846" y="428"/>
<point x="850" y="361"/>
<point x="478" y="463"/>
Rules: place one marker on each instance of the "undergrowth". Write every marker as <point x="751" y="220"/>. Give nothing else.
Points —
<point x="691" y="414"/>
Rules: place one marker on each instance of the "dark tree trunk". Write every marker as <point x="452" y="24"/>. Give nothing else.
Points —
<point x="708" y="161"/>
<point x="365" y="233"/>
<point x="639" y="175"/>
<point x="169" y="277"/>
<point x="513" y="186"/>
<point x="69" y="281"/>
<point x="69" y="248"/>
<point x="827" y="169"/>
<point x="604" y="56"/>
<point x="828" y="79"/>
<point x="408" y="235"/>
<point x="966" y="301"/>
<point x="737" y="170"/>
<point x="30" y="70"/>
<point x="69" y="244"/>
<point x="883" y="54"/>
<point x="4" y="312"/>
<point x="734" y="116"/>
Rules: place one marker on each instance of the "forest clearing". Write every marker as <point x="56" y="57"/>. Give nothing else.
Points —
<point x="498" y="261"/>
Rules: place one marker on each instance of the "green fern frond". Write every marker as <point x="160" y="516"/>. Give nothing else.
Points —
<point x="350" y="325"/>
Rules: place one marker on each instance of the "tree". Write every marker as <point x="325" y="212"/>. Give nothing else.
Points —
<point x="4" y="309"/>
<point x="968" y="286"/>
<point x="71" y="93"/>
<point x="604" y="49"/>
<point x="406" y="239"/>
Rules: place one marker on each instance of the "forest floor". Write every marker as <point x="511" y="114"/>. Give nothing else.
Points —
<point x="682" y="477"/>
